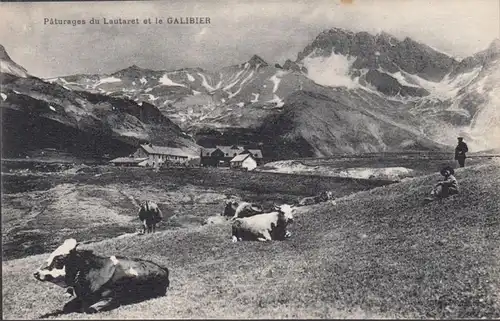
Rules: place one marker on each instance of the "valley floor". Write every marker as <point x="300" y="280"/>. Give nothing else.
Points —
<point x="379" y="253"/>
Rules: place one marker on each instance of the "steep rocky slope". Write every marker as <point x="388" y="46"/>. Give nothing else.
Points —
<point x="37" y="114"/>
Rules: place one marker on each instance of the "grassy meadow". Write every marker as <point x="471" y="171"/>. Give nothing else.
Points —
<point x="380" y="252"/>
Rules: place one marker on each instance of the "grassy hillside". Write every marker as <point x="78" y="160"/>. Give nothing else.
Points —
<point x="380" y="253"/>
<point x="41" y="209"/>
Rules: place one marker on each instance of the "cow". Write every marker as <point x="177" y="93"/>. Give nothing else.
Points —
<point x="101" y="283"/>
<point x="150" y="215"/>
<point x="322" y="197"/>
<point x="235" y="209"/>
<point x="264" y="227"/>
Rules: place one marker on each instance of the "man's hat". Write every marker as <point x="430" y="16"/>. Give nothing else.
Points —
<point x="449" y="169"/>
<point x="460" y="137"/>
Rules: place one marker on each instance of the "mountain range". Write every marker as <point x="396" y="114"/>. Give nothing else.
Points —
<point x="345" y="92"/>
<point x="37" y="115"/>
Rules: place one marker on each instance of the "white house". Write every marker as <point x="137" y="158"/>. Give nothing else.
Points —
<point x="157" y="155"/>
<point x="246" y="161"/>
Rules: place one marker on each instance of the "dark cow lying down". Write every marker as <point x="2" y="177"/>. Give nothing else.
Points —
<point x="322" y="197"/>
<point x="150" y="215"/>
<point x="102" y="283"/>
<point x="234" y="209"/>
<point x="264" y="227"/>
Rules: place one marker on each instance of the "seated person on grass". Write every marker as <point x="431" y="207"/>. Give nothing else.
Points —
<point x="446" y="187"/>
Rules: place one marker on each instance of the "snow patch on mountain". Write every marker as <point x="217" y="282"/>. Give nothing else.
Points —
<point x="231" y="95"/>
<point x="152" y="98"/>
<point x="52" y="108"/>
<point x="131" y="134"/>
<point x="107" y="80"/>
<point x="12" y="68"/>
<point x="255" y="98"/>
<point x="277" y="100"/>
<point x="446" y="88"/>
<point x="276" y="79"/>
<point x="485" y="125"/>
<point x="234" y="80"/>
<point x="205" y="84"/>
<point x="247" y="78"/>
<point x="143" y="80"/>
<point x="400" y="78"/>
<point x="4" y="96"/>
<point x="190" y="78"/>
<point x="331" y="71"/>
<point x="164" y="80"/>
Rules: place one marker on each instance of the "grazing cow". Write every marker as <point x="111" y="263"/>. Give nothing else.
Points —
<point x="234" y="209"/>
<point x="101" y="283"/>
<point x="150" y="215"/>
<point x="322" y="197"/>
<point x="264" y="227"/>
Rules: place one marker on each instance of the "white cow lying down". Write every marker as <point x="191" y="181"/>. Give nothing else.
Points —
<point x="215" y="219"/>
<point x="264" y="227"/>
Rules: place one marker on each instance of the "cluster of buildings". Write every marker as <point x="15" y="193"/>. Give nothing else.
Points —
<point x="231" y="156"/>
<point x="149" y="155"/>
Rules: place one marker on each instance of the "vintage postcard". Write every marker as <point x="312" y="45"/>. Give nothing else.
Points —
<point x="250" y="159"/>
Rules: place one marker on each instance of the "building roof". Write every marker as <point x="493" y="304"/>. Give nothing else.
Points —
<point x="127" y="160"/>
<point x="231" y="150"/>
<point x="208" y="150"/>
<point x="256" y="153"/>
<point x="163" y="150"/>
<point x="241" y="157"/>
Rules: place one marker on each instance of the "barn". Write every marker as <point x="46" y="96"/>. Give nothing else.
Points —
<point x="157" y="155"/>
<point x="243" y="161"/>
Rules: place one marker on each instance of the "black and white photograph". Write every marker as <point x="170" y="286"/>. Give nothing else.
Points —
<point x="280" y="159"/>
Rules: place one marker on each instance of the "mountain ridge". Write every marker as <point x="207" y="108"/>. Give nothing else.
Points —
<point x="413" y="85"/>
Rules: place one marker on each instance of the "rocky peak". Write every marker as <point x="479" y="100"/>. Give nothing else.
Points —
<point x="256" y="60"/>
<point x="387" y="36"/>
<point x="7" y="65"/>
<point x="494" y="46"/>
<point x="3" y="53"/>
<point x="480" y="59"/>
<point x="293" y="66"/>
<point x="132" y="71"/>
<point x="381" y="51"/>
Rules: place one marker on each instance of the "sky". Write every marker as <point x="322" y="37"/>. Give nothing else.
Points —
<point x="275" y="30"/>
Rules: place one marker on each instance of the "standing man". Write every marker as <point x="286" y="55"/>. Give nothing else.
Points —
<point x="460" y="151"/>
